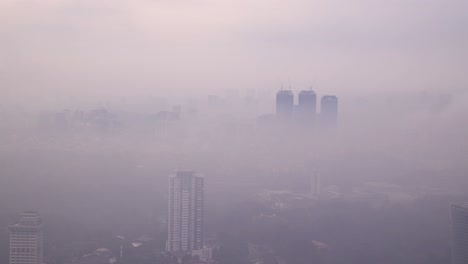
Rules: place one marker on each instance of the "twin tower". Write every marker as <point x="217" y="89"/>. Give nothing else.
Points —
<point x="306" y="109"/>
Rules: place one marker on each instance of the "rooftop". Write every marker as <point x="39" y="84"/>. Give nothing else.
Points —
<point x="463" y="206"/>
<point x="285" y="92"/>
<point x="307" y="92"/>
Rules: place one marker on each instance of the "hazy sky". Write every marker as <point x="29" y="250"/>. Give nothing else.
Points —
<point x="70" y="48"/>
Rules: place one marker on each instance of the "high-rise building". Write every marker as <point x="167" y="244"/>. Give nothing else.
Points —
<point x="26" y="239"/>
<point x="459" y="217"/>
<point x="284" y="104"/>
<point x="329" y="110"/>
<point x="307" y="106"/>
<point x="186" y="229"/>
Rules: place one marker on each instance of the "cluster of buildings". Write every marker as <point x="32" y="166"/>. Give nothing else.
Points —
<point x="186" y="212"/>
<point x="99" y="118"/>
<point x="306" y="109"/>
<point x="186" y="227"/>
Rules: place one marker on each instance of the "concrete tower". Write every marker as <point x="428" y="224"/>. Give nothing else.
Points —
<point x="26" y="243"/>
<point x="459" y="217"/>
<point x="284" y="104"/>
<point x="307" y="106"/>
<point x="186" y="231"/>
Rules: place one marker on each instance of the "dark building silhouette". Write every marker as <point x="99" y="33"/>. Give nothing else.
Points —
<point x="307" y="107"/>
<point x="284" y="104"/>
<point x="459" y="217"/>
<point x="329" y="110"/>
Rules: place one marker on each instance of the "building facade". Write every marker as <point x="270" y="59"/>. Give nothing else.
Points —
<point x="26" y="239"/>
<point x="459" y="217"/>
<point x="186" y="230"/>
<point x="307" y="106"/>
<point x="284" y="104"/>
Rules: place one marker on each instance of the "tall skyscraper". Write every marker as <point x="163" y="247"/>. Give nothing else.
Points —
<point x="26" y="239"/>
<point x="186" y="231"/>
<point x="284" y="104"/>
<point x="329" y="110"/>
<point x="307" y="107"/>
<point x="459" y="217"/>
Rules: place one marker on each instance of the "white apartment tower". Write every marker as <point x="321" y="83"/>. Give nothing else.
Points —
<point x="186" y="212"/>
<point x="459" y="217"/>
<point x="26" y="239"/>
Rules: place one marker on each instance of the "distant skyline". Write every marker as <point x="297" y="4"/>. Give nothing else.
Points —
<point x="325" y="131"/>
<point x="88" y="49"/>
